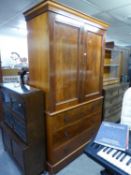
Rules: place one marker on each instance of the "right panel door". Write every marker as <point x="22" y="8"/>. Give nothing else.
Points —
<point x="93" y="64"/>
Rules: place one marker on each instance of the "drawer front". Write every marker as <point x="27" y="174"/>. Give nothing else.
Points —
<point x="110" y="103"/>
<point x="66" y="118"/>
<point x="122" y="89"/>
<point x="110" y="111"/>
<point x="20" y="129"/>
<point x="114" y="118"/>
<point x="65" y="134"/>
<point x="18" y="126"/>
<point x="18" y="105"/>
<point x="8" y="118"/>
<point x="13" y="102"/>
<point x="111" y="93"/>
<point x="73" y="144"/>
<point x="6" y="98"/>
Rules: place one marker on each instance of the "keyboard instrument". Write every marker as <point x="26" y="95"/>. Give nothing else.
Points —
<point x="119" y="162"/>
<point x="118" y="158"/>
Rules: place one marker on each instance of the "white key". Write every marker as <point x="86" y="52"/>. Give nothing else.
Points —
<point x="116" y="162"/>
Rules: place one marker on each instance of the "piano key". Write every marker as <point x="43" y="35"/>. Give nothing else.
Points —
<point x="129" y="161"/>
<point x="105" y="148"/>
<point x="123" y="157"/>
<point x="126" y="159"/>
<point x="116" y="162"/>
<point x="115" y="153"/>
<point x="109" y="151"/>
<point x="119" y="155"/>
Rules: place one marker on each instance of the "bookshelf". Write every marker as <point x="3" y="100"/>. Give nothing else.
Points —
<point x="112" y="66"/>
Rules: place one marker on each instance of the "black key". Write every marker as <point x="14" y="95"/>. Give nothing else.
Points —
<point x="129" y="161"/>
<point x="120" y="153"/>
<point x="109" y="150"/>
<point x="115" y="153"/>
<point x="123" y="157"/>
<point x="105" y="149"/>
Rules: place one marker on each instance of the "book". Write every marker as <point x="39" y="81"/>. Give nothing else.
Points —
<point x="113" y="135"/>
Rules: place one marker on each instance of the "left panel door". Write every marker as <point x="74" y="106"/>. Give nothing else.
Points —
<point x="65" y="61"/>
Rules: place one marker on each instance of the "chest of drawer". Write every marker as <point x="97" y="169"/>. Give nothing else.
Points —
<point x="66" y="118"/>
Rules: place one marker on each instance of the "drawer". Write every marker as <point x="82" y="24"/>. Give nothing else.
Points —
<point x="65" y="118"/>
<point x="112" y="112"/>
<point x="20" y="129"/>
<point x="110" y="103"/>
<point x="18" y="105"/>
<point x="8" y="118"/>
<point x="113" y="118"/>
<point x="122" y="90"/>
<point x="6" y="98"/>
<point x="73" y="144"/>
<point x="17" y="125"/>
<point x="111" y="93"/>
<point x="68" y="132"/>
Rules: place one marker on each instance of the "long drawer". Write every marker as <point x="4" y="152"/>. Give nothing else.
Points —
<point x="66" y="118"/>
<point x="58" y="153"/>
<point x="65" y="134"/>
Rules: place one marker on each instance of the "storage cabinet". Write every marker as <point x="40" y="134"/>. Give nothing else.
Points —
<point x="66" y="50"/>
<point x="112" y="66"/>
<point x="23" y="126"/>
<point x="113" y="96"/>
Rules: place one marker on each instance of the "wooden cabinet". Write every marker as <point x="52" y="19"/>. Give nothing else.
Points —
<point x="113" y="96"/>
<point x="112" y="66"/>
<point x="23" y="126"/>
<point x="66" y="50"/>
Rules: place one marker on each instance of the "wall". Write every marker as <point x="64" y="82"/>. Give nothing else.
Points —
<point x="10" y="44"/>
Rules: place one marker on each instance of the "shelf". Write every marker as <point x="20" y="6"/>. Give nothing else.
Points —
<point x="111" y="65"/>
<point x="111" y="80"/>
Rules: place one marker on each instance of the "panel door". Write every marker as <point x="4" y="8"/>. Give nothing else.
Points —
<point x="65" y="62"/>
<point x="93" y="66"/>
